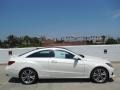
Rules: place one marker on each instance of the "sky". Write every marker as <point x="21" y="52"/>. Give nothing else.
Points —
<point x="57" y="18"/>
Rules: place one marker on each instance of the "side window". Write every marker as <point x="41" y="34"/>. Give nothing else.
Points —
<point x="44" y="54"/>
<point x="63" y="54"/>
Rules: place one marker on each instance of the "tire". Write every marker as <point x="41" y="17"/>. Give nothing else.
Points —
<point x="28" y="76"/>
<point x="99" y="75"/>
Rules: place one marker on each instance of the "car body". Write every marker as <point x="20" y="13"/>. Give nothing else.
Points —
<point x="57" y="63"/>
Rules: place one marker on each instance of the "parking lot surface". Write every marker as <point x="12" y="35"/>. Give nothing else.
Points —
<point x="7" y="83"/>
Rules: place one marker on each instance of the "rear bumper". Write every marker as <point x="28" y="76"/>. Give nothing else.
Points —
<point x="11" y="72"/>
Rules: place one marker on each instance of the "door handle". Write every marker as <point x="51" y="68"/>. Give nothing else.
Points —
<point x="53" y="61"/>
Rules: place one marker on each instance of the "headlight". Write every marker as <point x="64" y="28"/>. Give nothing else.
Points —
<point x="109" y="64"/>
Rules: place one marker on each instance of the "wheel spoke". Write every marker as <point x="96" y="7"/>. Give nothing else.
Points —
<point x="28" y="80"/>
<point x="103" y="74"/>
<point x="32" y="77"/>
<point x="30" y="72"/>
<point x="95" y="74"/>
<point x="102" y="78"/>
<point x="24" y="73"/>
<point x="99" y="71"/>
<point x="98" y="78"/>
<point x="24" y="78"/>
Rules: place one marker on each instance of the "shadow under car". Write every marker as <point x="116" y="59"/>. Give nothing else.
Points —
<point x="58" y="80"/>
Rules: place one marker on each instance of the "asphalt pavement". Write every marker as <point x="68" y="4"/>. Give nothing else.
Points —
<point x="7" y="83"/>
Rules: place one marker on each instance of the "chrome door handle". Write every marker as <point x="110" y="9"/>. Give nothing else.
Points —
<point x="53" y="61"/>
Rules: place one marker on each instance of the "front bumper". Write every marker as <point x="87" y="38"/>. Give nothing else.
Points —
<point x="111" y="73"/>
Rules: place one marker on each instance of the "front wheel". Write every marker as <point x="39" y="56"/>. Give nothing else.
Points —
<point x="99" y="75"/>
<point x="28" y="76"/>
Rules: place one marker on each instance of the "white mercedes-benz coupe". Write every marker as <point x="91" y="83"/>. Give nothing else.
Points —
<point x="58" y="63"/>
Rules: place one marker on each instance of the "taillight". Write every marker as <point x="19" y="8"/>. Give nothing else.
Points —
<point x="11" y="62"/>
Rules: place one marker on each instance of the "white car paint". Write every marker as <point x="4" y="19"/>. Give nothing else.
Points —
<point x="53" y="67"/>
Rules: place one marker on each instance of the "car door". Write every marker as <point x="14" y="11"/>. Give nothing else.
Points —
<point x="64" y="66"/>
<point x="39" y="60"/>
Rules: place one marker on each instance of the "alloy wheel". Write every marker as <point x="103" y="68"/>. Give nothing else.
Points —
<point x="28" y="76"/>
<point x="99" y="75"/>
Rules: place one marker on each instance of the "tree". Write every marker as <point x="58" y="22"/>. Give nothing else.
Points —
<point x="0" y="43"/>
<point x="118" y="40"/>
<point x="13" y="41"/>
<point x="35" y="42"/>
<point x="89" y="42"/>
<point x="111" y="41"/>
<point x="26" y="41"/>
<point x="103" y="38"/>
<point x="5" y="44"/>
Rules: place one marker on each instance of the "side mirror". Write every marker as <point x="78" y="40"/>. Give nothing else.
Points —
<point x="76" y="58"/>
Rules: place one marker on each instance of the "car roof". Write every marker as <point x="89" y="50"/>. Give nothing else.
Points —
<point x="43" y="48"/>
<point x="52" y="48"/>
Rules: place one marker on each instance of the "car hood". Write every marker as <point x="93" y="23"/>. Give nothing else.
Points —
<point x="96" y="59"/>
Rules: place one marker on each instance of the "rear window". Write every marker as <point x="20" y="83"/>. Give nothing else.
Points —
<point x="29" y="51"/>
<point x="44" y="54"/>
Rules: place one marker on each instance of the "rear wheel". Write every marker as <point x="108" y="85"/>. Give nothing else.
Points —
<point x="99" y="75"/>
<point x="28" y="76"/>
